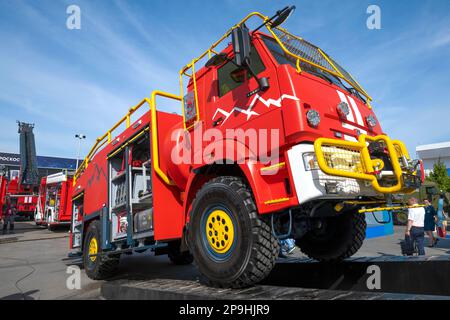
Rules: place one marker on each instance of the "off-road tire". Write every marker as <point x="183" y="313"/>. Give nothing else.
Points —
<point x="256" y="249"/>
<point x="104" y="266"/>
<point x="342" y="238"/>
<point x="177" y="257"/>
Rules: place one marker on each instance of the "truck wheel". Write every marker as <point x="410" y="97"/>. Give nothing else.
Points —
<point x="49" y="226"/>
<point x="231" y="244"/>
<point x="335" y="238"/>
<point x="97" y="267"/>
<point x="180" y="258"/>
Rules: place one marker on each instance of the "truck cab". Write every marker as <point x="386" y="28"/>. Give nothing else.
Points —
<point x="276" y="140"/>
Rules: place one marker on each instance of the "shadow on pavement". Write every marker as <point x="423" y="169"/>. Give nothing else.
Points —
<point x="21" y="296"/>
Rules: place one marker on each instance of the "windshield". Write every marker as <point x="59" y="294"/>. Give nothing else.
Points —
<point x="313" y="61"/>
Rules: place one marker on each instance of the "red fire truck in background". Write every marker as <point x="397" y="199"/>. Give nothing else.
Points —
<point x="3" y="189"/>
<point x="23" y="184"/>
<point x="225" y="205"/>
<point x="25" y="197"/>
<point x="54" y="206"/>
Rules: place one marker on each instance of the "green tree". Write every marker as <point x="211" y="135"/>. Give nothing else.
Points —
<point x="440" y="176"/>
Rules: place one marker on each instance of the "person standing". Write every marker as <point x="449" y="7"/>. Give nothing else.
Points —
<point x="415" y="226"/>
<point x="430" y="222"/>
<point x="9" y="212"/>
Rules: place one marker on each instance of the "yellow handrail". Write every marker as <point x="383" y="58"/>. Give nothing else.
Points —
<point x="154" y="125"/>
<point x="207" y="53"/>
<point x="106" y="138"/>
<point x="191" y="65"/>
<point x="334" y="72"/>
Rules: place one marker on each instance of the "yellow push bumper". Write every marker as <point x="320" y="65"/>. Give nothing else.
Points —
<point x="353" y="160"/>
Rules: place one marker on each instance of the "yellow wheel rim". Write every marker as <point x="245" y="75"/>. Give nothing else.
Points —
<point x="93" y="249"/>
<point x="220" y="231"/>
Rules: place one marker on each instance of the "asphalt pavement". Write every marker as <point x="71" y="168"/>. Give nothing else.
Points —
<point x="34" y="264"/>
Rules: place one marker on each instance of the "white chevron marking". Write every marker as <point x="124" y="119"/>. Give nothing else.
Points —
<point x="249" y="112"/>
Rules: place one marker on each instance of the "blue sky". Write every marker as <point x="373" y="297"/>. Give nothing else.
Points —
<point x="70" y="81"/>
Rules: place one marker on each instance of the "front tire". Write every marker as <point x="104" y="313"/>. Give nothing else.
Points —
<point x="336" y="239"/>
<point x="97" y="267"/>
<point x="231" y="244"/>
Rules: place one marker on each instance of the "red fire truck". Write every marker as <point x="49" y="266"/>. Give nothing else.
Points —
<point x="3" y="189"/>
<point x="198" y="187"/>
<point x="23" y="184"/>
<point x="54" y="207"/>
<point x="24" y="197"/>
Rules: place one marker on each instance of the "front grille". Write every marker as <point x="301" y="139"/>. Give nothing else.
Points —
<point x="343" y="159"/>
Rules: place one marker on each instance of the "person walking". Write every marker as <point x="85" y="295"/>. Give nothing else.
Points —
<point x="9" y="213"/>
<point x="441" y="217"/>
<point x="430" y="222"/>
<point x="415" y="226"/>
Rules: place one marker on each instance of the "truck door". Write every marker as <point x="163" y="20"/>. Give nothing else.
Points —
<point x="237" y="98"/>
<point x="76" y="226"/>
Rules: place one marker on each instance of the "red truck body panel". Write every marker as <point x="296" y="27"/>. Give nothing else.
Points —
<point x="25" y="198"/>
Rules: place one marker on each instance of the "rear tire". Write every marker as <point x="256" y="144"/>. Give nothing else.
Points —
<point x="339" y="238"/>
<point x="243" y="251"/>
<point x="101" y="266"/>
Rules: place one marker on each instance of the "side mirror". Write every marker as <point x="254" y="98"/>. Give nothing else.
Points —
<point x="241" y="45"/>
<point x="282" y="16"/>
<point x="216" y="60"/>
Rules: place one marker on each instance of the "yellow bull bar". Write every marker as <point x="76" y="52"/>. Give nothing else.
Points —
<point x="364" y="167"/>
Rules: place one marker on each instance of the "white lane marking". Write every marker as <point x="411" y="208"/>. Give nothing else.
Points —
<point x="356" y="109"/>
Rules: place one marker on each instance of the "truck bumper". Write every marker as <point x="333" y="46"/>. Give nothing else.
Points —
<point x="337" y="169"/>
<point x="394" y="173"/>
<point x="315" y="184"/>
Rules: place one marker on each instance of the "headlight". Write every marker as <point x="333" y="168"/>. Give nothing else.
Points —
<point x="343" y="109"/>
<point x="313" y="118"/>
<point x="371" y="121"/>
<point x="310" y="161"/>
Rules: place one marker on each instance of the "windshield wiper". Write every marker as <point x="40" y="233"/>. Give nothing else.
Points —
<point x="350" y="90"/>
<point x="320" y="75"/>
